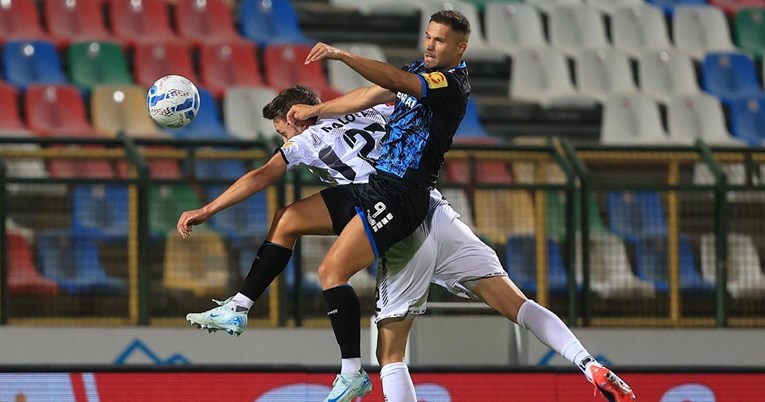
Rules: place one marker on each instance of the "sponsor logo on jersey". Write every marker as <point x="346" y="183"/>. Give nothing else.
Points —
<point x="409" y="100"/>
<point x="435" y="80"/>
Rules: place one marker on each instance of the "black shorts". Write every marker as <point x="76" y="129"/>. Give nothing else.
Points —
<point x="390" y="209"/>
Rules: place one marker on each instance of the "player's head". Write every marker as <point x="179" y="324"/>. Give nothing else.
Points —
<point x="277" y="109"/>
<point x="446" y="39"/>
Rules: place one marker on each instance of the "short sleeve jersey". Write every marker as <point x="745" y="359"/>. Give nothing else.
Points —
<point x="421" y="130"/>
<point x="340" y="150"/>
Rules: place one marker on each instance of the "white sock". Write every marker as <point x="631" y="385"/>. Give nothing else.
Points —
<point x="351" y="366"/>
<point x="551" y="331"/>
<point x="397" y="383"/>
<point x="242" y="301"/>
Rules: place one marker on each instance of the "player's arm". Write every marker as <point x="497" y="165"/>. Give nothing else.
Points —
<point x="251" y="183"/>
<point x="354" y="101"/>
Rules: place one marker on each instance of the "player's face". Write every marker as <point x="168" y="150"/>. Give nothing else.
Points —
<point x="285" y="129"/>
<point x="443" y="46"/>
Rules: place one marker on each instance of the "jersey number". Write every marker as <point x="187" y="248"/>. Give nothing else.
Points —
<point x="351" y="136"/>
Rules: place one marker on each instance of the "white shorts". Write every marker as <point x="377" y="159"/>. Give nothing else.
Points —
<point x="442" y="250"/>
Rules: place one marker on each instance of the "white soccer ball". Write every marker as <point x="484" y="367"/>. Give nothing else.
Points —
<point x="173" y="101"/>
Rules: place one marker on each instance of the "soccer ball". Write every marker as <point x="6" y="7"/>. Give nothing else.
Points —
<point x="173" y="101"/>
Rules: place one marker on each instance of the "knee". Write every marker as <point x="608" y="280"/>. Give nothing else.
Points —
<point x="282" y="222"/>
<point x="388" y="357"/>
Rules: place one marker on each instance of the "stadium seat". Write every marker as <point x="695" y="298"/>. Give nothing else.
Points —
<point x="747" y="119"/>
<point x="243" y="113"/>
<point x="159" y="168"/>
<point x="271" y="22"/>
<point x="206" y="124"/>
<point x="668" y="6"/>
<point x="631" y="119"/>
<point x="284" y="67"/>
<point x="222" y="65"/>
<point x="609" y="6"/>
<point x="748" y="30"/>
<point x="700" y="116"/>
<point x="80" y="169"/>
<point x="71" y="21"/>
<point x="471" y="128"/>
<point x="652" y="259"/>
<point x="732" y="7"/>
<point x="23" y="277"/>
<point x="611" y="276"/>
<point x="122" y="108"/>
<point x="139" y="21"/>
<point x="634" y="215"/>
<point x="10" y="120"/>
<point x="487" y="171"/>
<point x="697" y="30"/>
<point x="479" y="48"/>
<point x="198" y="264"/>
<point x="96" y="63"/>
<point x="166" y="203"/>
<point x="202" y="21"/>
<point x="32" y="168"/>
<point x="460" y="202"/>
<point x="73" y="261"/>
<point x="20" y="20"/>
<point x="245" y="224"/>
<point x="745" y="277"/>
<point x="638" y="29"/>
<point x="541" y="76"/>
<point x="152" y="60"/>
<point x="211" y="169"/>
<point x="576" y="27"/>
<point x="343" y="77"/>
<point x="666" y="73"/>
<point x="555" y="216"/>
<point x="601" y="72"/>
<point x="31" y="62"/>
<point x="501" y="213"/>
<point x="521" y="264"/>
<point x="101" y="211"/>
<point x="514" y="26"/>
<point x="546" y="6"/>
<point x="56" y="111"/>
<point x="729" y="75"/>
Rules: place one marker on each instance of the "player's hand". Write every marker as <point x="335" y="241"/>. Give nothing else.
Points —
<point x="323" y="51"/>
<point x="301" y="112"/>
<point x="189" y="219"/>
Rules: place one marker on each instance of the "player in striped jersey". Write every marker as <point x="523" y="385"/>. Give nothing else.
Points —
<point x="443" y="250"/>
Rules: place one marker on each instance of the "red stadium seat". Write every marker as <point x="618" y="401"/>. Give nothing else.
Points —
<point x="486" y="172"/>
<point x="57" y="111"/>
<point x="20" y="20"/>
<point x="284" y="67"/>
<point x="81" y="169"/>
<point x="152" y="60"/>
<point x="23" y="277"/>
<point x="203" y="21"/>
<point x="731" y="7"/>
<point x="10" y="120"/>
<point x="140" y="21"/>
<point x="75" y="20"/>
<point x="222" y="65"/>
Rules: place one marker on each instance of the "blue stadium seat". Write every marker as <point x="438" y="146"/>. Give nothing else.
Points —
<point x="747" y="119"/>
<point x="471" y="127"/>
<point x="729" y="76"/>
<point x="207" y="124"/>
<point x="210" y="169"/>
<point x="73" y="261"/>
<point x="636" y="214"/>
<point x="269" y="22"/>
<point x="28" y="62"/>
<point x="668" y="6"/>
<point x="652" y="265"/>
<point x="100" y="210"/>
<point x="244" y="224"/>
<point x="520" y="264"/>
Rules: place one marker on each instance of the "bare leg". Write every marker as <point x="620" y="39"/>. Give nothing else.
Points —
<point x="308" y="216"/>
<point x="350" y="253"/>
<point x="501" y="294"/>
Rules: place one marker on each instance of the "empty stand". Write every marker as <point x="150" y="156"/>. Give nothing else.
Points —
<point x="100" y="210"/>
<point x="71" y="21"/>
<point x="729" y="75"/>
<point x="271" y="22"/>
<point x="732" y="7"/>
<point x="23" y="277"/>
<point x="514" y="26"/>
<point x="747" y="119"/>
<point x="631" y="119"/>
<point x="471" y="128"/>
<point x="10" y="119"/>
<point x="666" y="73"/>
<point x="343" y="77"/>
<point x="198" y="264"/>
<point x="547" y="6"/>
<point x="166" y="203"/>
<point x="700" y="29"/>
<point x="207" y="123"/>
<point x="668" y="6"/>
<point x="136" y="21"/>
<point x="700" y="116"/>
<point x="284" y="67"/>
<point x="576" y="27"/>
<point x="514" y="217"/>
<point x="636" y="214"/>
<point x="541" y="76"/>
<point x="653" y="265"/>
<point x="638" y="29"/>
<point x="96" y="63"/>
<point x="152" y="60"/>
<point x="601" y="72"/>
<point x="745" y="277"/>
<point x="243" y="112"/>
<point x="521" y="264"/>
<point x="56" y="111"/>
<point x="609" y="6"/>
<point x="20" y="20"/>
<point x="244" y="224"/>
<point x="222" y="65"/>
<point x="122" y="108"/>
<point x="205" y="21"/>
<point x="748" y="29"/>
<point x="28" y="62"/>
<point x="74" y="263"/>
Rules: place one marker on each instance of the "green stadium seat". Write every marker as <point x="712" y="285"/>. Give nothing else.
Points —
<point x="166" y="202"/>
<point x="749" y="31"/>
<point x="95" y="63"/>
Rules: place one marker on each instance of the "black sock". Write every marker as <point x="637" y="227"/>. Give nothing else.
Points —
<point x="270" y="262"/>
<point x="344" y="310"/>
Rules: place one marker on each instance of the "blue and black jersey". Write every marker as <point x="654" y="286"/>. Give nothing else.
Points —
<point x="421" y="130"/>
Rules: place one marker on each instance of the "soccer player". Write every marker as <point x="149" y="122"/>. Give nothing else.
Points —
<point x="337" y="148"/>
<point x="430" y="100"/>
